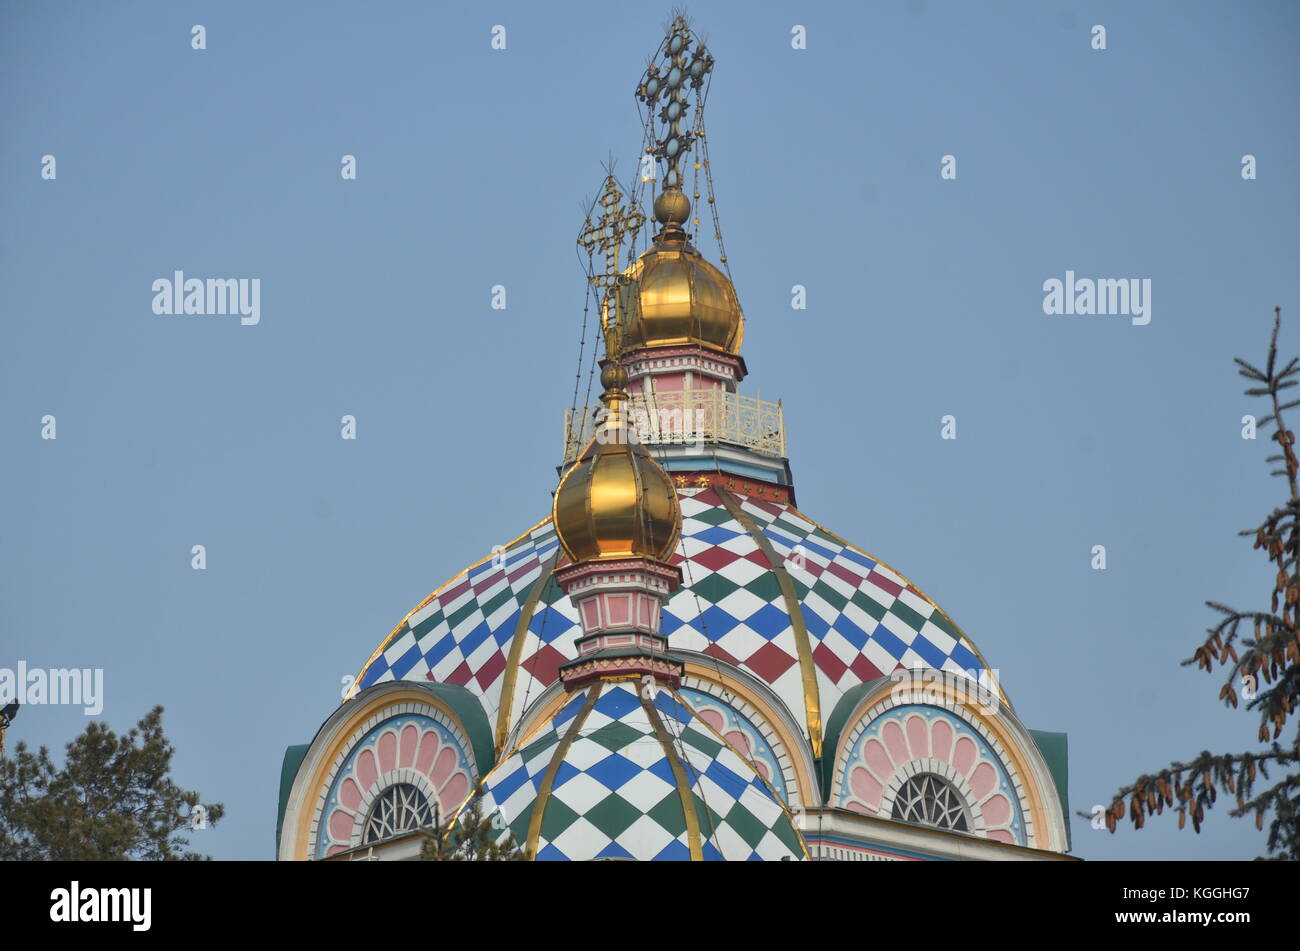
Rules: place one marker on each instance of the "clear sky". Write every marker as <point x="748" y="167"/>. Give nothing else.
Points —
<point x="924" y="298"/>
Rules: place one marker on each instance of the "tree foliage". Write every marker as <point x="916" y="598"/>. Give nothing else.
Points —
<point x="112" y="800"/>
<point x="469" y="837"/>
<point x="1256" y="650"/>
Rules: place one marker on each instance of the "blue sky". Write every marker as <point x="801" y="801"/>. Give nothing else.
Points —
<point x="924" y="299"/>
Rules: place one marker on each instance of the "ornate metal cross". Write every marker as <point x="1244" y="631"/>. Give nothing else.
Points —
<point x="606" y="237"/>
<point x="674" y="70"/>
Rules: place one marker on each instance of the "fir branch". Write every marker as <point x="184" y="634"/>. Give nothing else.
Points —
<point x="1267" y="666"/>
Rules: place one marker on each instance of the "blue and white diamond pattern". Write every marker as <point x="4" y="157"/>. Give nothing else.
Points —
<point x="863" y="619"/>
<point x="615" y="795"/>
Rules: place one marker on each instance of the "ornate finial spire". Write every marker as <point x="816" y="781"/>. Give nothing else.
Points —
<point x="606" y="237"/>
<point x="675" y="76"/>
<point x="615" y="501"/>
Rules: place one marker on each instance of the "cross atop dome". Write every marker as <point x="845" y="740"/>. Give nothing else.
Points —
<point x="606" y="237"/>
<point x="671" y="318"/>
<point x="676" y="75"/>
<point x="678" y="662"/>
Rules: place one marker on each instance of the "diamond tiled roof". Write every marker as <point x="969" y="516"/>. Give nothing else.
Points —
<point x="862" y="619"/>
<point x="632" y="778"/>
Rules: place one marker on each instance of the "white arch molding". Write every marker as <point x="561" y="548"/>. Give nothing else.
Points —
<point x="334" y="745"/>
<point x="1030" y="779"/>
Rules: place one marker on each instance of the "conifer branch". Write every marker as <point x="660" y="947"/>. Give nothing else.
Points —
<point x="1267" y="666"/>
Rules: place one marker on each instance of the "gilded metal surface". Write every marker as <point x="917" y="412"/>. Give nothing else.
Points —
<point x="803" y="644"/>
<point x="688" y="416"/>
<point x="616" y="502"/>
<point x="672" y="207"/>
<point x="516" y="652"/>
<point x="684" y="792"/>
<point x="548" y="780"/>
<point x="677" y="297"/>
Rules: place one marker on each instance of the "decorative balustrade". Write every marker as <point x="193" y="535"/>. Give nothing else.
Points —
<point x="688" y="417"/>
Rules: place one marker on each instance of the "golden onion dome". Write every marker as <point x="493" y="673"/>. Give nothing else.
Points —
<point x="615" y="501"/>
<point x="675" y="296"/>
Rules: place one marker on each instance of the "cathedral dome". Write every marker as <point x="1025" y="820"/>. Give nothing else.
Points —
<point x="767" y="592"/>
<point x="676" y="296"/>
<point x="791" y="640"/>
<point x="615" y="501"/>
<point x="677" y="662"/>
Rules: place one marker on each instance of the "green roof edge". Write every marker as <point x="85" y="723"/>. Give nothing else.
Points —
<point x="293" y="757"/>
<point x="1055" y="748"/>
<point x="835" y="724"/>
<point x="470" y="713"/>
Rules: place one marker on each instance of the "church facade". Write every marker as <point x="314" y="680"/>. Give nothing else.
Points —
<point x="677" y="662"/>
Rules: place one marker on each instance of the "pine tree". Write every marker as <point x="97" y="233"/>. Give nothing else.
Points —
<point x="1267" y="667"/>
<point x="468" y="838"/>
<point x="112" y="799"/>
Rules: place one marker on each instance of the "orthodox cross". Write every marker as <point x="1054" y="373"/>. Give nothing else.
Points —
<point x="606" y="236"/>
<point x="674" y="71"/>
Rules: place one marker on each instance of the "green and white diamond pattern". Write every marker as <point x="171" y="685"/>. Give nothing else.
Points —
<point x="616" y="795"/>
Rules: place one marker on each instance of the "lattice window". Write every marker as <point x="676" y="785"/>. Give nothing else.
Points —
<point x="399" y="808"/>
<point x="931" y="800"/>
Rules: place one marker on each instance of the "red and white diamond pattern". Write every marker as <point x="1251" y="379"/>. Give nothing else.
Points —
<point x="863" y="619"/>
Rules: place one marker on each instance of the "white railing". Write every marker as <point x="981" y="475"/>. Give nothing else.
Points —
<point x="689" y="417"/>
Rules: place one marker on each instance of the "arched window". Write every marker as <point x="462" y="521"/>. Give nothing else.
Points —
<point x="930" y="800"/>
<point x="399" y="808"/>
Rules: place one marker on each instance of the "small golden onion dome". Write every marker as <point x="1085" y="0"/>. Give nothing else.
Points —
<point x="675" y="296"/>
<point x="615" y="501"/>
